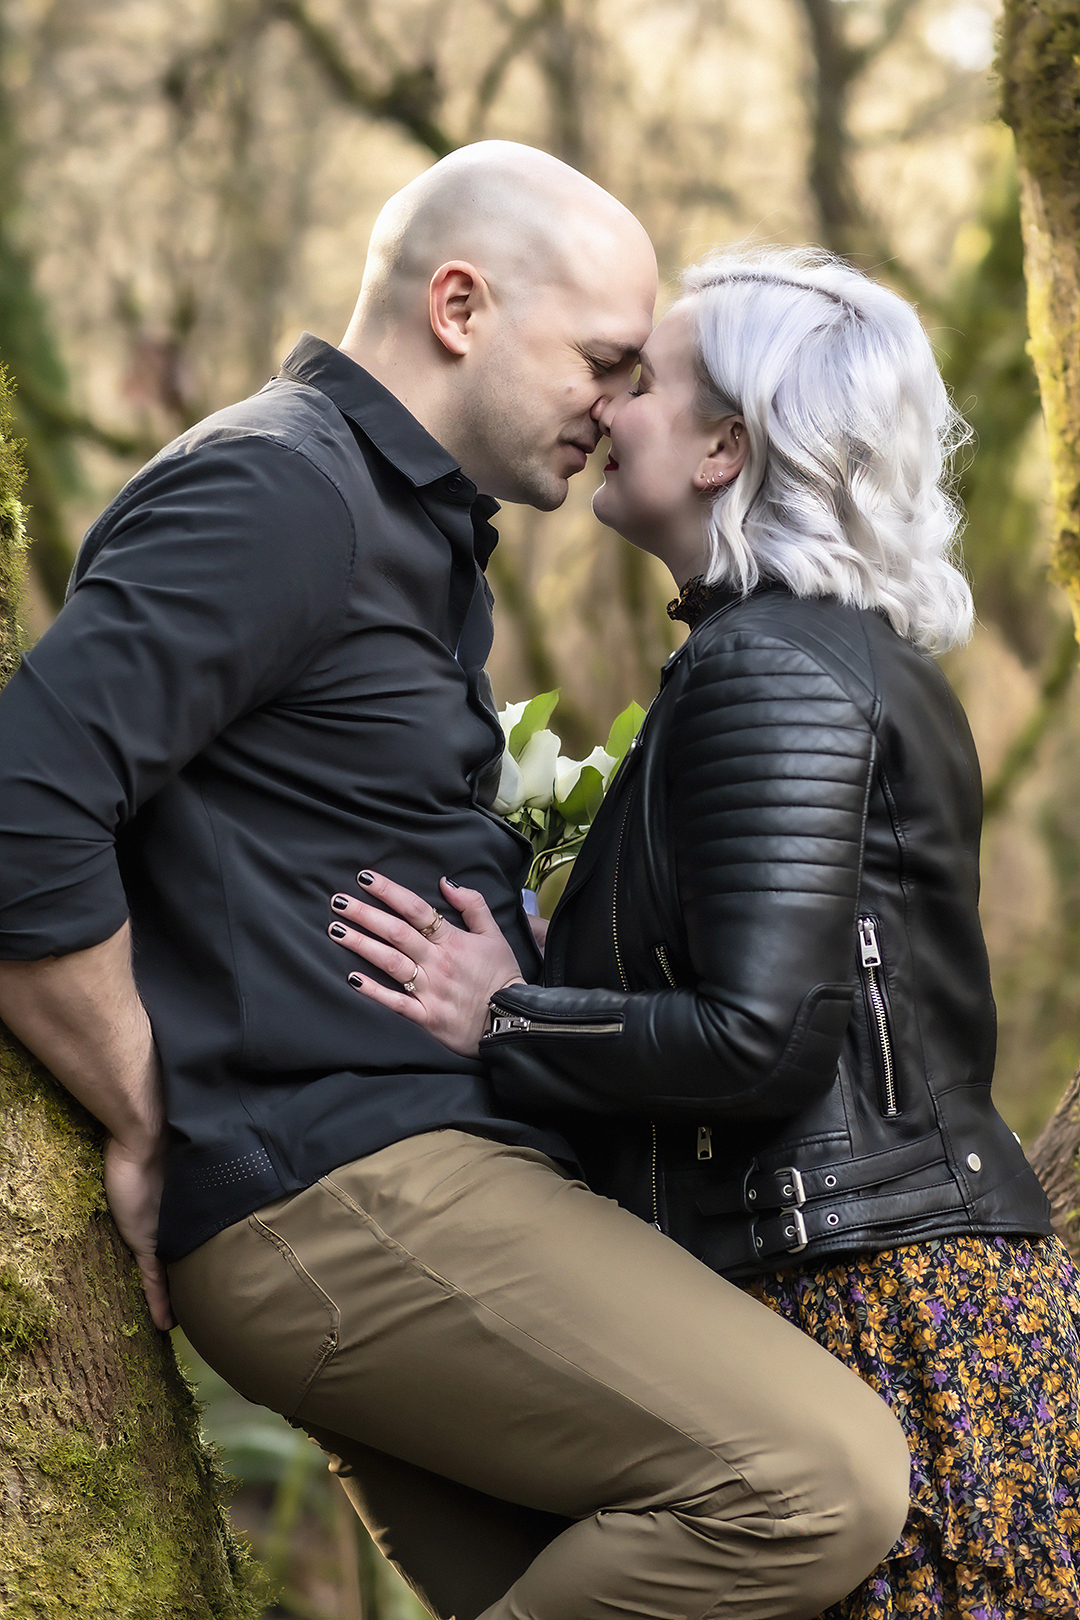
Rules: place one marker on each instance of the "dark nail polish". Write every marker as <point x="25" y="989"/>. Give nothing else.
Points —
<point x="451" y="884"/>
<point x="365" y="878"/>
<point x="338" y="931"/>
<point x="340" y="902"/>
<point x="355" y="980"/>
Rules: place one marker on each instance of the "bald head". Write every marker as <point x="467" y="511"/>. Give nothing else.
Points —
<point x="522" y="217"/>
<point x="498" y="271"/>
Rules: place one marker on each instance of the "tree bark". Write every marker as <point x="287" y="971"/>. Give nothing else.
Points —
<point x="1056" y="1160"/>
<point x="1040" y="71"/>
<point x="111" y="1507"/>
<point x="1039" y="64"/>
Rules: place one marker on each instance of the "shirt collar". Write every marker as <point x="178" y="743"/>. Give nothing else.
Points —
<point x="390" y="426"/>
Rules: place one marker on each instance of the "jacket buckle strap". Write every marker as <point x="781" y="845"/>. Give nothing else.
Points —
<point x="783" y="1234"/>
<point x="781" y="1189"/>
<point x="793" y="1226"/>
<point x="792" y="1223"/>
<point x="792" y="1191"/>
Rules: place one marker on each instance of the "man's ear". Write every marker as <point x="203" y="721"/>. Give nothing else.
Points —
<point x="726" y="456"/>
<point x="456" y="293"/>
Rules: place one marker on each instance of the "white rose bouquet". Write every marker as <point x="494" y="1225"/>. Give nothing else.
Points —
<point x="549" y="798"/>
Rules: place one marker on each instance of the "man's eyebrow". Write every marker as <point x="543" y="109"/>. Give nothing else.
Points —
<point x="627" y="353"/>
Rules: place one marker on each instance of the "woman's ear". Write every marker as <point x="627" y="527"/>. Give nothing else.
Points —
<point x="456" y="293"/>
<point x="726" y="456"/>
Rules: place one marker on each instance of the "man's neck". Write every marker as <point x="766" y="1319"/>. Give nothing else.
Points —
<point x="391" y="362"/>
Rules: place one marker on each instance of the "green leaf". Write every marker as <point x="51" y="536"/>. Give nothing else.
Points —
<point x="538" y="712"/>
<point x="583" y="801"/>
<point x="624" y="728"/>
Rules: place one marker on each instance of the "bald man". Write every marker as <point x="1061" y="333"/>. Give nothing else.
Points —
<point x="270" y="671"/>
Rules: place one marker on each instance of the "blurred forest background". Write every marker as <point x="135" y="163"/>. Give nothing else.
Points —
<point x="187" y="184"/>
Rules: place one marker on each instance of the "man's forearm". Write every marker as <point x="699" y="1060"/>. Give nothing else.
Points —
<point x="81" y="1015"/>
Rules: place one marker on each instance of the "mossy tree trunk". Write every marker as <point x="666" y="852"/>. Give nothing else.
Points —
<point x="111" y="1508"/>
<point x="1040" y="71"/>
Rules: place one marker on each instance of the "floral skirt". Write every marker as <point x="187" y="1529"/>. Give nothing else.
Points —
<point x="975" y="1344"/>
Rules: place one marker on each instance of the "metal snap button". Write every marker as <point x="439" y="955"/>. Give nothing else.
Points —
<point x="974" y="1162"/>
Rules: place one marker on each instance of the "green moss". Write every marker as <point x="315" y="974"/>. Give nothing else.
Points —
<point x="128" y="1519"/>
<point x="25" y="1315"/>
<point x="12" y="535"/>
<point x="106" y="1546"/>
<point x="1040" y="69"/>
<point x="122" y="1516"/>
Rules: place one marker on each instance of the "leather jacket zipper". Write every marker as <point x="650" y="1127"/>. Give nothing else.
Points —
<point x="504" y="1023"/>
<point x="660" y="952"/>
<point x="655" y="1186"/>
<point x="870" y="961"/>
<point x="615" y="902"/>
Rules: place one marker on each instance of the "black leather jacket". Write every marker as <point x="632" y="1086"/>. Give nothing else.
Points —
<point x="783" y="1039"/>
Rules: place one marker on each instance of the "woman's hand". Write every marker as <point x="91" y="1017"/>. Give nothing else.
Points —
<point x="448" y="974"/>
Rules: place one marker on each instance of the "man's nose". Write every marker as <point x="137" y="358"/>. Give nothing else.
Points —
<point x="602" y="412"/>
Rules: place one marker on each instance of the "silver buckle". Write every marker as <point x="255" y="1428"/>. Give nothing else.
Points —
<point x="796" y="1229"/>
<point x="794" y="1191"/>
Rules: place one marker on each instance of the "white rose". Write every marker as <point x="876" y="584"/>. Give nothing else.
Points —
<point x="537" y="765"/>
<point x="509" y="717"/>
<point x="569" y="770"/>
<point x="511" y="794"/>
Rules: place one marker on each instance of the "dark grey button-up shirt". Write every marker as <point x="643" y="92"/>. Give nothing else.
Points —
<point x="268" y="674"/>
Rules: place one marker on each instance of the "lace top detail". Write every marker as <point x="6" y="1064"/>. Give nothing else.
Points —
<point x="696" y="599"/>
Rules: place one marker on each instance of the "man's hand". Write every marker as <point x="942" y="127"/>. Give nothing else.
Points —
<point x="133" y="1182"/>
<point x="81" y="1015"/>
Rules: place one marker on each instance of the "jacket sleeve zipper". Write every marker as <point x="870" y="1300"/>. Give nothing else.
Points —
<point x="870" y="961"/>
<point x="504" y="1023"/>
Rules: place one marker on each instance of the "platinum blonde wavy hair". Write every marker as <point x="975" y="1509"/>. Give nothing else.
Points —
<point x="845" y="491"/>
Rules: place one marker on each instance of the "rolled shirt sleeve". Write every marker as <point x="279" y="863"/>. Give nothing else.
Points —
<point x="209" y="584"/>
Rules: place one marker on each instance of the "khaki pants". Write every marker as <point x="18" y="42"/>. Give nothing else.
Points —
<point x="545" y="1409"/>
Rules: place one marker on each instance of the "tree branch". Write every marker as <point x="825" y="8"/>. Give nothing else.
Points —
<point x="410" y="100"/>
<point x="520" y="34"/>
<point x="60" y="416"/>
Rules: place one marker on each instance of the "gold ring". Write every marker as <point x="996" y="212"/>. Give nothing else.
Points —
<point x="432" y="928"/>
